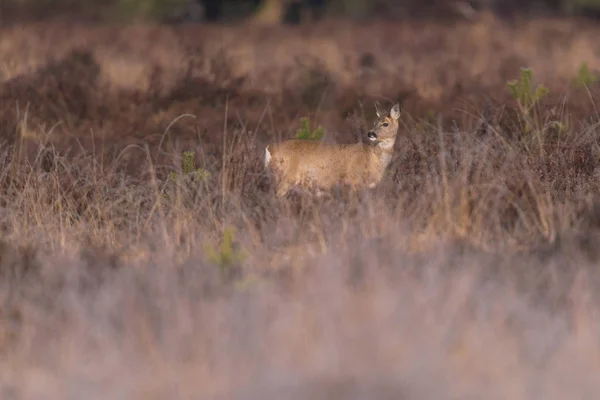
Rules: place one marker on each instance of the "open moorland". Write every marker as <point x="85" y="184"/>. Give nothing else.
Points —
<point x="144" y="254"/>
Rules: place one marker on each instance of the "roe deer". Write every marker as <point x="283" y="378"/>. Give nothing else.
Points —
<point x="308" y="163"/>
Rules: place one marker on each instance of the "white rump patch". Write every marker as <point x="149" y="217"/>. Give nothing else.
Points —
<point x="267" y="156"/>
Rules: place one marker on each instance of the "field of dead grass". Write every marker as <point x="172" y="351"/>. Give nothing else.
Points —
<point x="472" y="272"/>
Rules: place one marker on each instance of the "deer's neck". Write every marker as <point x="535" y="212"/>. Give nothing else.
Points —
<point x="384" y="151"/>
<point x="387" y="146"/>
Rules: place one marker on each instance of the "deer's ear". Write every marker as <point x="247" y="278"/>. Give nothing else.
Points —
<point x="395" y="111"/>
<point x="379" y="109"/>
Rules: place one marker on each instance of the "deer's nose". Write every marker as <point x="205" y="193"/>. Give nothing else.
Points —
<point x="372" y="135"/>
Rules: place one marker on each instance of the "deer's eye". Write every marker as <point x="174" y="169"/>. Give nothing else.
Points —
<point x="385" y="124"/>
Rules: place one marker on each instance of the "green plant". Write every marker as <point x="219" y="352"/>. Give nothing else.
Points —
<point x="305" y="131"/>
<point x="523" y="91"/>
<point x="190" y="175"/>
<point x="226" y="257"/>
<point x="585" y="77"/>
<point x="527" y="97"/>
<point x="189" y="168"/>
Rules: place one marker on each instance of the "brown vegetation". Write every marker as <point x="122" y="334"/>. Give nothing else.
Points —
<point x="472" y="266"/>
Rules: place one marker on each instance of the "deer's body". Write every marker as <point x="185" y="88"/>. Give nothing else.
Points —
<point x="312" y="164"/>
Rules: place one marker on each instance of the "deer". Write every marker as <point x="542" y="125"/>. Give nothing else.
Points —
<point x="310" y="164"/>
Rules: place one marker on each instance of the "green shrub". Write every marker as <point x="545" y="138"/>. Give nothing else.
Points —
<point x="524" y="93"/>
<point x="305" y="132"/>
<point x="528" y="97"/>
<point x="188" y="182"/>
<point x="189" y="169"/>
<point x="225" y="257"/>
<point x="585" y="77"/>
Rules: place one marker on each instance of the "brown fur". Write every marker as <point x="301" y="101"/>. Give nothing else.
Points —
<point x="311" y="164"/>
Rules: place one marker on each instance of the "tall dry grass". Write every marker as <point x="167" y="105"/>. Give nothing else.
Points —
<point x="470" y="273"/>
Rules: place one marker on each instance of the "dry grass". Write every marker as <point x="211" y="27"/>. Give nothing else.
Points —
<point x="470" y="273"/>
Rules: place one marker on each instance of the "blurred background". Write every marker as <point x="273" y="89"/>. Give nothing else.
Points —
<point x="285" y="11"/>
